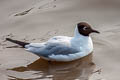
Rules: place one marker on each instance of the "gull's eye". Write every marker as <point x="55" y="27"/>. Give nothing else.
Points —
<point x="84" y="28"/>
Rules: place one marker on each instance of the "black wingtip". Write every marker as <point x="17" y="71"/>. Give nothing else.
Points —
<point x="8" y="39"/>
<point x="17" y="42"/>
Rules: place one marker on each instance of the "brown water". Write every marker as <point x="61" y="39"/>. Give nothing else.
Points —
<point x="41" y="69"/>
<point x="38" y="20"/>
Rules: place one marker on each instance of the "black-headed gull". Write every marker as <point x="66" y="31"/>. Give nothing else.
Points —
<point x="63" y="48"/>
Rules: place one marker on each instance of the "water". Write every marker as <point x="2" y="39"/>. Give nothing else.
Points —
<point x="38" y="20"/>
<point x="41" y="69"/>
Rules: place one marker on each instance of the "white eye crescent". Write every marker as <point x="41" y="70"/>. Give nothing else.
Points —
<point x="84" y="28"/>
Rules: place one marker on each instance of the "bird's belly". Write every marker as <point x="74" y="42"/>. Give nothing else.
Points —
<point x="69" y="57"/>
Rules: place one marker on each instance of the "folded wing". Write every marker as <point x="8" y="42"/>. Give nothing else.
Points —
<point x="45" y="50"/>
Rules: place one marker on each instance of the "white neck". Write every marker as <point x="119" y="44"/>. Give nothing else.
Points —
<point x="82" y="41"/>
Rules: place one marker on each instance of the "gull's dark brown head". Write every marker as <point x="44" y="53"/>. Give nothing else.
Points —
<point x="85" y="29"/>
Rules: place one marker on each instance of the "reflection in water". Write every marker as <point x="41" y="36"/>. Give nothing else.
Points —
<point x="41" y="69"/>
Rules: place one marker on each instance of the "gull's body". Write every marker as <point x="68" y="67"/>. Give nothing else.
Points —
<point x="62" y="48"/>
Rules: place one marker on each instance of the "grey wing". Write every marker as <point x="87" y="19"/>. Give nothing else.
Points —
<point x="57" y="49"/>
<point x="42" y="49"/>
